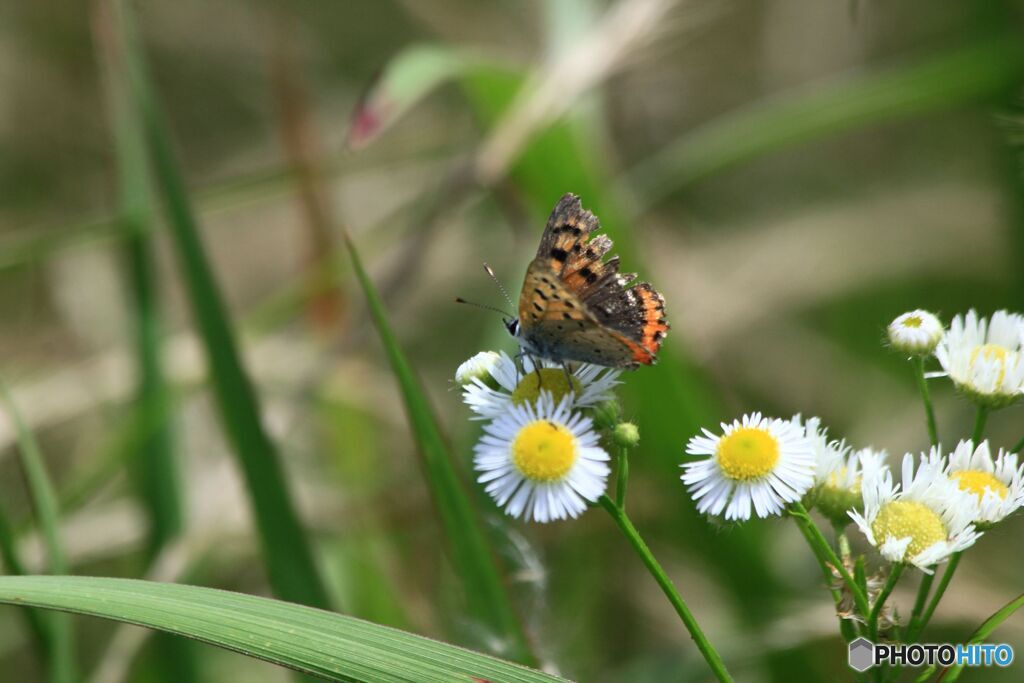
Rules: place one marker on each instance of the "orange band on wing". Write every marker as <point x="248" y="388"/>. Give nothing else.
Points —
<point x="655" y="325"/>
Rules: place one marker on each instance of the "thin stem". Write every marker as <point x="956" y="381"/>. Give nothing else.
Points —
<point x="979" y="424"/>
<point x="622" y="478"/>
<point x="1019" y="447"/>
<point x="919" y="603"/>
<point x="947" y="576"/>
<point x="633" y="536"/>
<point x="846" y="627"/>
<point x="929" y="411"/>
<point x="821" y="548"/>
<point x="876" y="609"/>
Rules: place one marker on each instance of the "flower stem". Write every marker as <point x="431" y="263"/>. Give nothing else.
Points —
<point x="979" y="424"/>
<point x="919" y="603"/>
<point x="947" y="576"/>
<point x="622" y="478"/>
<point x="846" y="627"/>
<point x="633" y="536"/>
<point x="1019" y="447"/>
<point x="929" y="411"/>
<point x="876" y="609"/>
<point x="821" y="548"/>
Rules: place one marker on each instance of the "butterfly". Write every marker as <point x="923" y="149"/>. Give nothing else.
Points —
<point x="575" y="306"/>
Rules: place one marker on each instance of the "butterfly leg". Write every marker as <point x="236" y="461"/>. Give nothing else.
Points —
<point x="568" y="376"/>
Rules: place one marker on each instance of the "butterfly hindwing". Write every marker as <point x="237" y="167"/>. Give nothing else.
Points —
<point x="576" y="306"/>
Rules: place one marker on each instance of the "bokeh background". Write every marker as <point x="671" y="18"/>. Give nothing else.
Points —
<point x="791" y="175"/>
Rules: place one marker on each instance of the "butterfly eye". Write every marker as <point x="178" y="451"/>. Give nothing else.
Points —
<point x="513" y="326"/>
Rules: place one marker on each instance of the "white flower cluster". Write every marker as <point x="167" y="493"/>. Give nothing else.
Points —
<point x="539" y="456"/>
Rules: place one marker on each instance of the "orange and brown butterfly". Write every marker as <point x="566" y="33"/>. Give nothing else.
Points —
<point x="576" y="306"/>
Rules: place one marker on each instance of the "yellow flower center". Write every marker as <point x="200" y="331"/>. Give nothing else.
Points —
<point x="992" y="352"/>
<point x="552" y="380"/>
<point x="747" y="453"/>
<point x="902" y="518"/>
<point x="913" y="321"/>
<point x="837" y="480"/>
<point x="976" y="482"/>
<point x="544" y="451"/>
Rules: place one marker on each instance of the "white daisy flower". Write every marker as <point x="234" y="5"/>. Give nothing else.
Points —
<point x="915" y="332"/>
<point x="997" y="486"/>
<point x="590" y="385"/>
<point x="478" y="367"/>
<point x="922" y="523"/>
<point x="541" y="461"/>
<point x="764" y="461"/>
<point x="983" y="358"/>
<point x="838" y="474"/>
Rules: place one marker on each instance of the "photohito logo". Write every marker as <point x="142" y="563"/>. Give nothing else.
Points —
<point x="864" y="654"/>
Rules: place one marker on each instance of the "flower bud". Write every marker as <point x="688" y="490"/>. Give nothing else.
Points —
<point x="478" y="367"/>
<point x="626" y="435"/>
<point x="916" y="332"/>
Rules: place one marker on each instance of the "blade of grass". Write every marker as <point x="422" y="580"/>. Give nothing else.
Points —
<point x="977" y="72"/>
<point x="473" y="559"/>
<point x="155" y="465"/>
<point x="39" y="623"/>
<point x="984" y="631"/>
<point x="333" y="646"/>
<point x="158" y="473"/>
<point x="62" y="666"/>
<point x="291" y="567"/>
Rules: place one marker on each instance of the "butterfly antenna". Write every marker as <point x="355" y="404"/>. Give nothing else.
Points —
<point x="460" y="300"/>
<point x="504" y="293"/>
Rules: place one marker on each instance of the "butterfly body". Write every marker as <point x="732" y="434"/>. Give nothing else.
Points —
<point x="576" y="306"/>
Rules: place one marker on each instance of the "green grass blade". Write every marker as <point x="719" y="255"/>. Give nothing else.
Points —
<point x="985" y="630"/>
<point x="975" y="73"/>
<point x="291" y="567"/>
<point x="157" y="477"/>
<point x="39" y="623"/>
<point x="158" y="473"/>
<point x="333" y="646"/>
<point x="473" y="559"/>
<point x="44" y="502"/>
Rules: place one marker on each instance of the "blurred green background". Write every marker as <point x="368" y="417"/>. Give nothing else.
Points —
<point x="791" y="175"/>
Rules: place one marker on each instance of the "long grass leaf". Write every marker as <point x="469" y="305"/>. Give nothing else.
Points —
<point x="39" y="623"/>
<point x="984" y="631"/>
<point x="314" y="641"/>
<point x="44" y="503"/>
<point x="487" y="600"/>
<point x="154" y="462"/>
<point x="978" y="72"/>
<point x="291" y="567"/>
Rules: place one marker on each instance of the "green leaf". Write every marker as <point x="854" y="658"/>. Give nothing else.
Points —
<point x="985" y="630"/>
<point x="409" y="77"/>
<point x="60" y="638"/>
<point x="313" y="641"/>
<point x="980" y="71"/>
<point x="473" y="559"/>
<point x="286" y="549"/>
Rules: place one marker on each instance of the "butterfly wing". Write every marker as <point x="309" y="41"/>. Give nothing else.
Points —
<point x="576" y="306"/>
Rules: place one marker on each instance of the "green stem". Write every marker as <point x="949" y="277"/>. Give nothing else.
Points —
<point x="1019" y="447"/>
<point x="821" y="548"/>
<point x="947" y="576"/>
<point x="929" y="411"/>
<point x="919" y="603"/>
<point x="633" y="536"/>
<point x="979" y="424"/>
<point x="876" y="609"/>
<point x="622" y="478"/>
<point x="44" y="505"/>
<point x="846" y="627"/>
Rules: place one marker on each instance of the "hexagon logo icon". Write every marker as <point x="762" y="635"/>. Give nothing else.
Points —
<point x="862" y="654"/>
